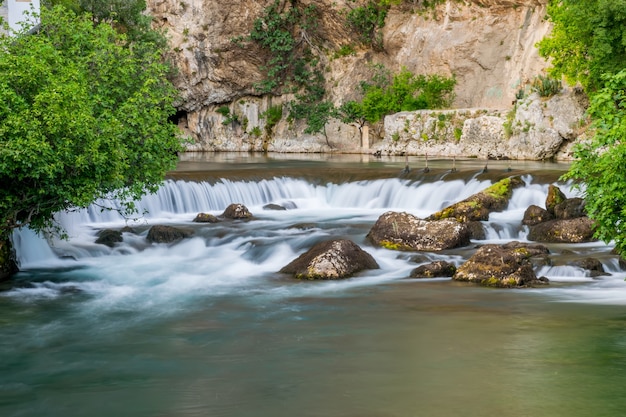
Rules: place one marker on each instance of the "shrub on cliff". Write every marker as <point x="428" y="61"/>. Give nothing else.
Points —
<point x="84" y="115"/>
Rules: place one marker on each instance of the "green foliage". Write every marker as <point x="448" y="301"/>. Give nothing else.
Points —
<point x="599" y="164"/>
<point x="272" y="116"/>
<point x="405" y="92"/>
<point x="83" y="116"/>
<point x="229" y="118"/>
<point x="458" y="133"/>
<point x="223" y="110"/>
<point x="587" y="40"/>
<point x="280" y="32"/>
<point x="546" y="86"/>
<point x="344" y="50"/>
<point x="508" y="123"/>
<point x="127" y="16"/>
<point x="256" y="131"/>
<point x="367" y="22"/>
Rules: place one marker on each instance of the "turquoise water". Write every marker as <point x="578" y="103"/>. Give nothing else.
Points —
<point x="208" y="328"/>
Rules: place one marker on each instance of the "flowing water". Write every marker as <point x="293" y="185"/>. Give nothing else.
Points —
<point x="207" y="327"/>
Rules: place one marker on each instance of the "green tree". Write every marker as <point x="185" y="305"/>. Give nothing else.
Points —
<point x="599" y="165"/>
<point x="83" y="115"/>
<point x="587" y="41"/>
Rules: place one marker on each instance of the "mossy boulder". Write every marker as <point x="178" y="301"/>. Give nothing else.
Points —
<point x="555" y="196"/>
<point x="504" y="266"/>
<point x="236" y="212"/>
<point x="478" y="206"/>
<point x="433" y="270"/>
<point x="577" y="230"/>
<point x="167" y="234"/>
<point x="333" y="259"/>
<point x="404" y="231"/>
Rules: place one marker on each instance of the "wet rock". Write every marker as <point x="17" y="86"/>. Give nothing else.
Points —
<point x="535" y="215"/>
<point x="570" y="208"/>
<point x="205" y="218"/>
<point x="504" y="266"/>
<point x="303" y="226"/>
<point x="577" y="230"/>
<point x="478" y="206"/>
<point x="109" y="237"/>
<point x="593" y="265"/>
<point x="167" y="234"/>
<point x="236" y="212"/>
<point x="403" y="231"/>
<point x="273" y="207"/>
<point x="476" y="230"/>
<point x="434" y="269"/>
<point x="554" y="197"/>
<point x="333" y="259"/>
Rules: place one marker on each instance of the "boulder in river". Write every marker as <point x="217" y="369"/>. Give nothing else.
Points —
<point x="205" y="218"/>
<point x="479" y="205"/>
<point x="404" y="231"/>
<point x="570" y="208"/>
<point x="535" y="215"/>
<point x="555" y="196"/>
<point x="236" y="211"/>
<point x="434" y="269"/>
<point x="333" y="259"/>
<point x="167" y="234"/>
<point x="592" y="265"/>
<point x="505" y="266"/>
<point x="577" y="230"/>
<point x="109" y="237"/>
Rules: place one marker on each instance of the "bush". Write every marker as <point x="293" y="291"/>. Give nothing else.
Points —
<point x="546" y="86"/>
<point x="406" y="92"/>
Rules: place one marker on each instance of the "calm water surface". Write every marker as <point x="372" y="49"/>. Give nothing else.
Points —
<point x="207" y="327"/>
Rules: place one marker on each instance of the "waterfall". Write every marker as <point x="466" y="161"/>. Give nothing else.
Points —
<point x="178" y="202"/>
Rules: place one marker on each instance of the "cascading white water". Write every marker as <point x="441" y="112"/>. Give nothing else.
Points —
<point x="265" y="244"/>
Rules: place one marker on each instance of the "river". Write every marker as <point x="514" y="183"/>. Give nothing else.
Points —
<point x="207" y="327"/>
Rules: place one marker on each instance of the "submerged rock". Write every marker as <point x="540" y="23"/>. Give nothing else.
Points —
<point x="478" y="206"/>
<point x="505" y="266"/>
<point x="273" y="206"/>
<point x="593" y="265"/>
<point x="109" y="237"/>
<point x="404" y="231"/>
<point x="205" y="218"/>
<point x="236" y="212"/>
<point x="167" y="234"/>
<point x="434" y="269"/>
<point x="333" y="259"/>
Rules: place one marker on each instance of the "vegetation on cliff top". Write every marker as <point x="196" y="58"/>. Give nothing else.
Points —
<point x="84" y="115"/>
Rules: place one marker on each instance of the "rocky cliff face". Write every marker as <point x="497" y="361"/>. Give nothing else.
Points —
<point x="488" y="45"/>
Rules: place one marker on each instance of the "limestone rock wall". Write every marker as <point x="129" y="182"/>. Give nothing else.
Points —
<point x="535" y="128"/>
<point x="488" y="45"/>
